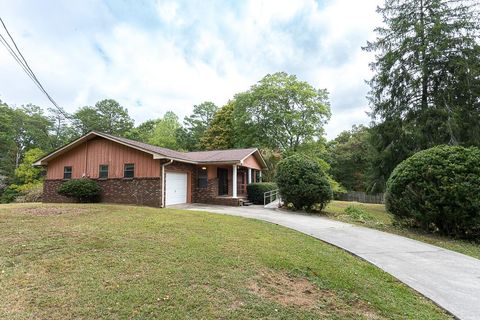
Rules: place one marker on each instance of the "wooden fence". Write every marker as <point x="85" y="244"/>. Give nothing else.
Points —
<point x="361" y="197"/>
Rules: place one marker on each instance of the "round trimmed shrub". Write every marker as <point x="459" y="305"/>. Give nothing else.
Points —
<point x="438" y="190"/>
<point x="83" y="190"/>
<point x="303" y="182"/>
<point x="255" y="191"/>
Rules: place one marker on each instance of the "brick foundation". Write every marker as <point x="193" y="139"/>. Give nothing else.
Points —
<point x="140" y="191"/>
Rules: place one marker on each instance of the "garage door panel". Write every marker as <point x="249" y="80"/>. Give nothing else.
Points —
<point x="176" y="188"/>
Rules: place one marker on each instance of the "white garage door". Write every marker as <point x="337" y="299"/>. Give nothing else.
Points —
<point x="176" y="188"/>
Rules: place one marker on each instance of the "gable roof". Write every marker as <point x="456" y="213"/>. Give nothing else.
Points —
<point x="197" y="157"/>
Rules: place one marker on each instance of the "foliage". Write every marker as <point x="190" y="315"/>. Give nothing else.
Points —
<point x="357" y="213"/>
<point x="30" y="192"/>
<point x="427" y="79"/>
<point x="21" y="129"/>
<point x="281" y="112"/>
<point x="271" y="157"/>
<point x="83" y="190"/>
<point x="9" y="194"/>
<point x="62" y="131"/>
<point x="220" y="134"/>
<point x="106" y="116"/>
<point x="349" y="156"/>
<point x="438" y="190"/>
<point x="26" y="172"/>
<point x="164" y="134"/>
<point x="143" y="132"/>
<point x="194" y="126"/>
<point x="257" y="190"/>
<point x="303" y="182"/>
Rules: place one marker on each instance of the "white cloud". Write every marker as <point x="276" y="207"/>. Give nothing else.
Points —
<point x="192" y="53"/>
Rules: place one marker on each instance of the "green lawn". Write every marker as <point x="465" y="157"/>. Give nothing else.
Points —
<point x="376" y="217"/>
<point x="107" y="261"/>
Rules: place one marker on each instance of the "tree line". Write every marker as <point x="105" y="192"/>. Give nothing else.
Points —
<point x="425" y="91"/>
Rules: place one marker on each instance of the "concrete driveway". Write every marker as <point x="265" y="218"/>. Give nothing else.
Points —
<point x="450" y="279"/>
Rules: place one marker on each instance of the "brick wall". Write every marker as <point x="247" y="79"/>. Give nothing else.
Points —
<point x="141" y="191"/>
<point x="145" y="191"/>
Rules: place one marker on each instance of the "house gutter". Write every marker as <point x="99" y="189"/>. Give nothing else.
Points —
<point x="163" y="181"/>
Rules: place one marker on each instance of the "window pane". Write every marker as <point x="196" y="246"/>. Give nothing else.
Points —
<point x="67" y="172"/>
<point x="129" y="170"/>
<point x="202" y="178"/>
<point x="103" y="172"/>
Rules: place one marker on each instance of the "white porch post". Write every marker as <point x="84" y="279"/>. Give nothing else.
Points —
<point x="234" y="181"/>
<point x="249" y="175"/>
<point x="260" y="175"/>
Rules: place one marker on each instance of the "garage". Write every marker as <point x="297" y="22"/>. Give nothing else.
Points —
<point x="176" y="188"/>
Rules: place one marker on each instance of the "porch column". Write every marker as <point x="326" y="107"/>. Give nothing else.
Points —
<point x="249" y="175"/>
<point x="234" y="181"/>
<point x="260" y="175"/>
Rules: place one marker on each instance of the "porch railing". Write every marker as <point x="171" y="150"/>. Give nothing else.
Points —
<point x="270" y="196"/>
<point x="241" y="188"/>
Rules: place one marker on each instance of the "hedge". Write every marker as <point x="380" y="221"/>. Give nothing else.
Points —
<point x="83" y="190"/>
<point x="438" y="190"/>
<point x="257" y="190"/>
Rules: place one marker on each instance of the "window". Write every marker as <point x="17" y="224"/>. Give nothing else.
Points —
<point x="202" y="177"/>
<point x="128" y="170"/>
<point x="103" y="171"/>
<point x="67" y="173"/>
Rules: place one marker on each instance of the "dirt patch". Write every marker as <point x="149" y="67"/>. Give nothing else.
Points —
<point x="50" y="211"/>
<point x="298" y="292"/>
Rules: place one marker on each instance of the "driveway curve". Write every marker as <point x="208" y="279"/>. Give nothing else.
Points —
<point x="448" y="278"/>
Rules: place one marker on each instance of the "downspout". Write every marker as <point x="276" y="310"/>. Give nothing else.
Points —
<point x="163" y="181"/>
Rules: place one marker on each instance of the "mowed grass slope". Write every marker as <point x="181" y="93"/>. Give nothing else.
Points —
<point x="378" y="218"/>
<point x="107" y="261"/>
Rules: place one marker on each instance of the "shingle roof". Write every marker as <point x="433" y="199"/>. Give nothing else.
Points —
<point x="196" y="156"/>
<point x="200" y="157"/>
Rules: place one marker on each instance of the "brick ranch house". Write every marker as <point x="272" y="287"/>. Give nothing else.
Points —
<point x="132" y="172"/>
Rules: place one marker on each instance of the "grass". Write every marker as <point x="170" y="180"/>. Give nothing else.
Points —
<point x="106" y="261"/>
<point x="375" y="216"/>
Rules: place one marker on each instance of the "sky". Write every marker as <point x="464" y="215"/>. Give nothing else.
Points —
<point x="156" y="56"/>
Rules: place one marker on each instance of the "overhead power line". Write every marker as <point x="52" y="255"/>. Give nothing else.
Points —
<point x="20" y="59"/>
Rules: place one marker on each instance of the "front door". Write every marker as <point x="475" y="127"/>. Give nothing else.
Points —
<point x="222" y="175"/>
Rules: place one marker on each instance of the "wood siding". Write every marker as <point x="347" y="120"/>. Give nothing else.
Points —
<point x="251" y="162"/>
<point x="86" y="159"/>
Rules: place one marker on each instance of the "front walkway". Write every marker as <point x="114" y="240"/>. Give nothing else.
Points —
<point x="450" y="279"/>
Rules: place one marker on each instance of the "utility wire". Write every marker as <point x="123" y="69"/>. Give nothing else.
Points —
<point x="24" y="64"/>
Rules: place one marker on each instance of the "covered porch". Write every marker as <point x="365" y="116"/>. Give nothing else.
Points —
<point x="225" y="184"/>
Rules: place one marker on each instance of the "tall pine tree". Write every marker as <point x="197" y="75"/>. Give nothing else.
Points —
<point x="426" y="85"/>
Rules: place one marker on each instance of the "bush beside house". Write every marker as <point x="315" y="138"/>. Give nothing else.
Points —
<point x="257" y="190"/>
<point x="82" y="190"/>
<point x="303" y="183"/>
<point x="438" y="190"/>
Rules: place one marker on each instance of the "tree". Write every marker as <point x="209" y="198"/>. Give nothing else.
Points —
<point x="26" y="172"/>
<point x="164" y="134"/>
<point x="144" y="132"/>
<point x="21" y="129"/>
<point x="281" y="112"/>
<point x="349" y="156"/>
<point x="107" y="116"/>
<point x="426" y="86"/>
<point x="220" y="134"/>
<point x="189" y="136"/>
<point x="62" y="132"/>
